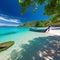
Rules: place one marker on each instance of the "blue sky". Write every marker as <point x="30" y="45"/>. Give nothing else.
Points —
<point x="10" y="13"/>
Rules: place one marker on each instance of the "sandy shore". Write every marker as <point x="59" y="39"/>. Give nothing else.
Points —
<point x="54" y="32"/>
<point x="39" y="48"/>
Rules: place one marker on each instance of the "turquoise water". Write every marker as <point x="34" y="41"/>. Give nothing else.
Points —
<point x="11" y="33"/>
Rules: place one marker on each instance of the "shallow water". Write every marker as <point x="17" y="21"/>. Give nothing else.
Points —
<point x="7" y="34"/>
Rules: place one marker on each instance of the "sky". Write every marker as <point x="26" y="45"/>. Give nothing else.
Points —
<point x="10" y="13"/>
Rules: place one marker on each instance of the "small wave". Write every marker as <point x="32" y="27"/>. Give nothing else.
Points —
<point x="8" y="33"/>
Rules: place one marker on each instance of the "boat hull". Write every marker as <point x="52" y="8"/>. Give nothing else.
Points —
<point x="38" y="30"/>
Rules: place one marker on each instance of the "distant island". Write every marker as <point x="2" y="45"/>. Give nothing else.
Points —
<point x="54" y="21"/>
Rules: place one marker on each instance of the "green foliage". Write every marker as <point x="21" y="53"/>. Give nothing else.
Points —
<point x="53" y="21"/>
<point x="41" y="1"/>
<point x="25" y="4"/>
<point x="51" y="7"/>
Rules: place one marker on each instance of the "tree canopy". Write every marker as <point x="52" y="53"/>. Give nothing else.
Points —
<point x="51" y="7"/>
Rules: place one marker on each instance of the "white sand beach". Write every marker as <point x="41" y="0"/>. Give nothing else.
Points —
<point x="54" y="31"/>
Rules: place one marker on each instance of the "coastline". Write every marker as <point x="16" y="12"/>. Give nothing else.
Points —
<point x="29" y="36"/>
<point x="17" y="46"/>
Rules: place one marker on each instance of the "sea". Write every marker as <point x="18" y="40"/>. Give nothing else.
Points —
<point x="11" y="33"/>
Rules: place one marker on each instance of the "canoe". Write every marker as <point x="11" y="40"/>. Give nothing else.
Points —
<point x="6" y="45"/>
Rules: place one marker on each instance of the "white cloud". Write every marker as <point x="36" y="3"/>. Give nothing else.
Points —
<point x="6" y="20"/>
<point x="4" y="24"/>
<point x="9" y="20"/>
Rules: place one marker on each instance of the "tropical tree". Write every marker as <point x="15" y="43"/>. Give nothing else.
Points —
<point x="25" y="4"/>
<point x="52" y="7"/>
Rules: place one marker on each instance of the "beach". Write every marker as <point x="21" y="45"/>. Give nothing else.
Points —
<point x="34" y="45"/>
<point x="29" y="29"/>
<point x="55" y="32"/>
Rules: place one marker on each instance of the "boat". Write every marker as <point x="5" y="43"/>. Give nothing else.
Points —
<point x="6" y="45"/>
<point x="39" y="29"/>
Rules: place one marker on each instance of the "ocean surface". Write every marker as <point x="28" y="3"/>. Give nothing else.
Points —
<point x="11" y="33"/>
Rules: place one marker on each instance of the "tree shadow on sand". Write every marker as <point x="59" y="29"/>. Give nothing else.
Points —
<point x="41" y="48"/>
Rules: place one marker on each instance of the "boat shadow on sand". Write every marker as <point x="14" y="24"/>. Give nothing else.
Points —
<point x="41" y="48"/>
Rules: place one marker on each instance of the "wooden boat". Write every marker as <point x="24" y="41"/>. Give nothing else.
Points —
<point x="40" y="30"/>
<point x="6" y="45"/>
